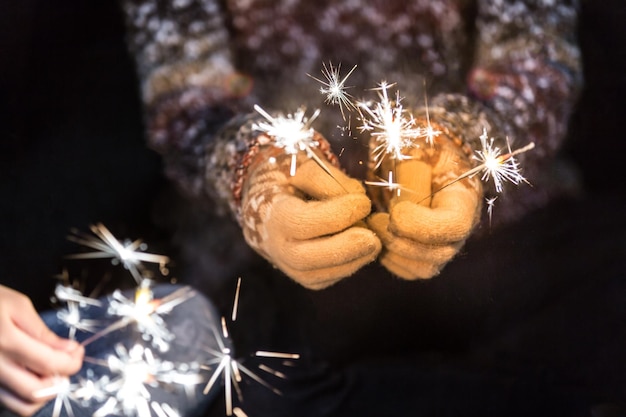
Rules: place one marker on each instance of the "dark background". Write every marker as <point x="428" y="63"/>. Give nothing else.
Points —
<point x="72" y="153"/>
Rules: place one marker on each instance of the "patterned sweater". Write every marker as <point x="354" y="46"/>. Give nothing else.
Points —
<point x="509" y="66"/>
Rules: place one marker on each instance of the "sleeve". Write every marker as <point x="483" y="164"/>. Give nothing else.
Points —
<point x="195" y="101"/>
<point x="523" y="85"/>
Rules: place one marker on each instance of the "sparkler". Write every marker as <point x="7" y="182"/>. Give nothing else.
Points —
<point x="71" y="316"/>
<point x="146" y="312"/>
<point x="293" y="133"/>
<point x="231" y="370"/>
<point x="495" y="165"/>
<point x="73" y="320"/>
<point x="129" y="253"/>
<point x="63" y="389"/>
<point x="389" y="125"/>
<point x="335" y="87"/>
<point x="82" y="392"/>
<point x="136" y="370"/>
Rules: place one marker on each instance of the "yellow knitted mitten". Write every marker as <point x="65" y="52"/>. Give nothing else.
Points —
<point x="309" y="225"/>
<point x="422" y="232"/>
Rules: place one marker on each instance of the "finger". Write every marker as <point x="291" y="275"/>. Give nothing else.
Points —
<point x="17" y="405"/>
<point x="415" y="177"/>
<point x="418" y="251"/>
<point x="330" y="251"/>
<point x="325" y="277"/>
<point x="31" y="324"/>
<point x="41" y="358"/>
<point x="408" y="269"/>
<point x="410" y="249"/>
<point x="21" y="382"/>
<point x="302" y="220"/>
<point x="450" y="218"/>
<point x="321" y="180"/>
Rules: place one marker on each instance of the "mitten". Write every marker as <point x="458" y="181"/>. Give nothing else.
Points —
<point x="426" y="214"/>
<point x="308" y="224"/>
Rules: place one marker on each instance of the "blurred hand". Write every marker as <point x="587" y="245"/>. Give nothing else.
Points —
<point x="422" y="232"/>
<point x="309" y="225"/>
<point x="31" y="356"/>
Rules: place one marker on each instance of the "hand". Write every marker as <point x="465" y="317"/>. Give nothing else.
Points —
<point x="310" y="224"/>
<point x="422" y="231"/>
<point x="31" y="355"/>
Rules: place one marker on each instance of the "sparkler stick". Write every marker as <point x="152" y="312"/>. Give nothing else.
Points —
<point x="129" y="254"/>
<point x="335" y="87"/>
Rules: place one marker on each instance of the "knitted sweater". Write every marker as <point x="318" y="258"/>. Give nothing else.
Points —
<point x="511" y="67"/>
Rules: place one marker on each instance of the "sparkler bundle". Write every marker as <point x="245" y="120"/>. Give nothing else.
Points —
<point x="158" y="350"/>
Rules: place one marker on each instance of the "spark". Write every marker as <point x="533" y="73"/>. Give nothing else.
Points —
<point x="146" y="312"/>
<point x="293" y="133"/>
<point x="90" y="389"/>
<point x="429" y="132"/>
<point x="490" y="202"/>
<point x="335" y="87"/>
<point x="62" y="388"/>
<point x="83" y="393"/>
<point x="129" y="253"/>
<point x="232" y="370"/>
<point x="389" y="184"/>
<point x="163" y="410"/>
<point x="389" y="125"/>
<point x="494" y="165"/>
<point x="136" y="370"/>
<point x="71" y="316"/>
<point x="65" y="293"/>
<point x="497" y="166"/>
<point x="73" y="320"/>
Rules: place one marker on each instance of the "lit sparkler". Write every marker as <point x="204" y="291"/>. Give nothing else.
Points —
<point x="335" y="87"/>
<point x="63" y="389"/>
<point x="146" y="312"/>
<point x="231" y="370"/>
<point x="129" y="253"/>
<point x="493" y="165"/>
<point x="136" y="370"/>
<point x="293" y="133"/>
<point x="71" y="316"/>
<point x="497" y="166"/>
<point x="74" y="321"/>
<point x="389" y="125"/>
